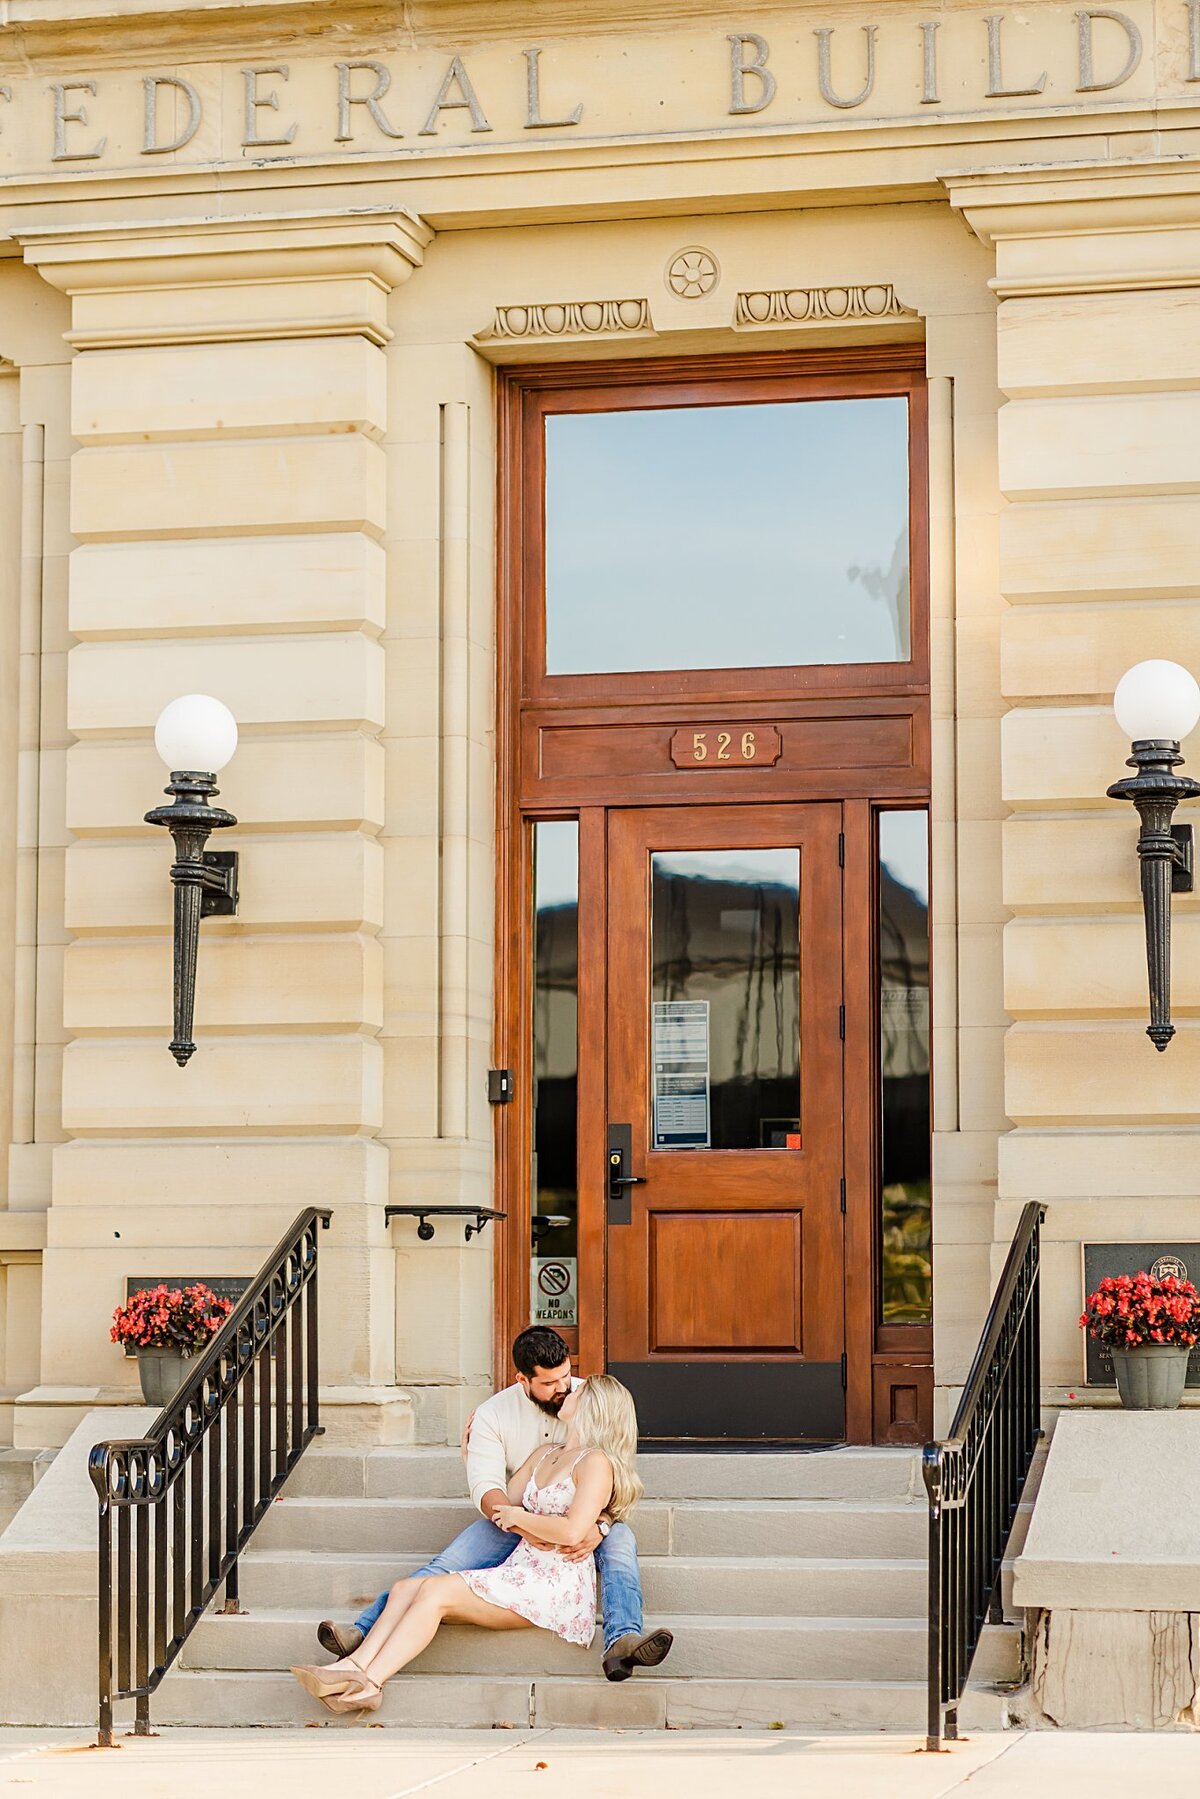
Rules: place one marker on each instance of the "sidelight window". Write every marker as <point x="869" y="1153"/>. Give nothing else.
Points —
<point x="554" y="1187"/>
<point x="906" y="1269"/>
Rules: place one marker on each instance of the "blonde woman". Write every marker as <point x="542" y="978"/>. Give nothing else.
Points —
<point x="555" y="1498"/>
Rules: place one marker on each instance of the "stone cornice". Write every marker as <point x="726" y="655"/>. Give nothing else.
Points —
<point x="1068" y="230"/>
<point x="351" y="260"/>
<point x="387" y="242"/>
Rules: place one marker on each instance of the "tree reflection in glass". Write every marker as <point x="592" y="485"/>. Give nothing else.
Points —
<point x="725" y="993"/>
<point x="554" y="1184"/>
<point x="904" y="1065"/>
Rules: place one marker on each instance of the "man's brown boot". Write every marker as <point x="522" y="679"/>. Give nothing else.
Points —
<point x="339" y="1639"/>
<point x="631" y="1652"/>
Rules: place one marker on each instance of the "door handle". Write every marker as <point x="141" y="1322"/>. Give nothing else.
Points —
<point x="620" y="1150"/>
<point x="617" y="1180"/>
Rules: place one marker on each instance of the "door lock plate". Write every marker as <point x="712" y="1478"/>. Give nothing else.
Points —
<point x="620" y="1153"/>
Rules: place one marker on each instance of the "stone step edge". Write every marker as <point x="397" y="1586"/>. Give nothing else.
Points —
<point x="817" y="1564"/>
<point x="333" y="1502"/>
<point x="894" y="1708"/>
<point x="599" y="1684"/>
<point x="695" y="1621"/>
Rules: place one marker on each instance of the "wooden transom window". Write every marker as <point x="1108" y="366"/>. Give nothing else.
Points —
<point x="762" y="527"/>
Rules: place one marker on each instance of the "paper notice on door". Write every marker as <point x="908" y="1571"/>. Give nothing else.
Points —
<point x="680" y="1057"/>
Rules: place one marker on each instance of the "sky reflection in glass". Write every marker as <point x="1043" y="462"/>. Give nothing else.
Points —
<point x="727" y="536"/>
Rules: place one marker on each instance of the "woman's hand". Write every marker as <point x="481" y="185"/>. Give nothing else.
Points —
<point x="509" y="1517"/>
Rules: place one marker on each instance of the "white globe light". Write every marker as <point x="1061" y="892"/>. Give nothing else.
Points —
<point x="196" y="734"/>
<point x="1157" y="700"/>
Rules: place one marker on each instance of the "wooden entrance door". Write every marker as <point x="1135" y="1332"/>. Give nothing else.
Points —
<point x="724" y="1142"/>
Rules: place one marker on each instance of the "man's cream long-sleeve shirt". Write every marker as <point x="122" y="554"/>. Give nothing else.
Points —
<point x="506" y="1429"/>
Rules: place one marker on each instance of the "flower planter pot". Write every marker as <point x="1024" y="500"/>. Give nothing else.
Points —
<point x="161" y="1372"/>
<point x="1151" y="1378"/>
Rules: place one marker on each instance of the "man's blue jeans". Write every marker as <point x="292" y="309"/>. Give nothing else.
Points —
<point x="484" y="1545"/>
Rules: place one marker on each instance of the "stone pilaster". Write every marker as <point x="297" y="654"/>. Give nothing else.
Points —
<point x="229" y="396"/>
<point x="1098" y="281"/>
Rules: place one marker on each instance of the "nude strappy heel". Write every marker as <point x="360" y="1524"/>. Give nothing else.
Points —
<point x="324" y="1681"/>
<point x="367" y="1697"/>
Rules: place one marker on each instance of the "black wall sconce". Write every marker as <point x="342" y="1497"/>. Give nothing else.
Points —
<point x="195" y="733"/>
<point x="1157" y="704"/>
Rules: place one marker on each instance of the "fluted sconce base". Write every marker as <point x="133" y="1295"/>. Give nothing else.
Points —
<point x="206" y="885"/>
<point x="1165" y="852"/>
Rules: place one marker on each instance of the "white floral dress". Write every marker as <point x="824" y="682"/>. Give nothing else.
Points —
<point x="540" y="1584"/>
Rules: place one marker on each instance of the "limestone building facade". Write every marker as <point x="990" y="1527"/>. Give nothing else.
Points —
<point x="295" y="298"/>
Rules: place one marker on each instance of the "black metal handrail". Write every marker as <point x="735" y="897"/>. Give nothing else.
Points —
<point x="975" y="1478"/>
<point x="187" y="1496"/>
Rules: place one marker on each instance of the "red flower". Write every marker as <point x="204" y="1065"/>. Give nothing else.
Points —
<point x="1131" y="1309"/>
<point x="170" y="1318"/>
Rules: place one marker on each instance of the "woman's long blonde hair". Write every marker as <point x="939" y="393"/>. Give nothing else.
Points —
<point x="606" y="1420"/>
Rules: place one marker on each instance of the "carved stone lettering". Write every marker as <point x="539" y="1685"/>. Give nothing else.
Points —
<point x="996" y="89"/>
<point x="753" y="64"/>
<point x="929" y="73"/>
<point x="78" y="116"/>
<point x="824" y="37"/>
<point x="372" y="101"/>
<point x="1087" y="83"/>
<point x="150" y="90"/>
<point x="254" y="100"/>
<point x="533" y="98"/>
<point x="886" y="69"/>
<point x="468" y="101"/>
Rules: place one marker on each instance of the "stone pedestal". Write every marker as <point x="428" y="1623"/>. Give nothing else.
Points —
<point x="1110" y="1576"/>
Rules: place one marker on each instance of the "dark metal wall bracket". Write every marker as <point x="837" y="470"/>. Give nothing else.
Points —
<point x="481" y="1215"/>
<point x="219" y="897"/>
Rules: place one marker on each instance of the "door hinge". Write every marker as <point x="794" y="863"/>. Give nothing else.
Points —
<point x="500" y="1086"/>
<point x="842" y="1023"/>
<point x="843" y="1193"/>
<point x="841" y="849"/>
<point x="843" y="1371"/>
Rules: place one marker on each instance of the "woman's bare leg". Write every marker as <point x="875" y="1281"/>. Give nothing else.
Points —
<point x="401" y="1597"/>
<point x="442" y="1597"/>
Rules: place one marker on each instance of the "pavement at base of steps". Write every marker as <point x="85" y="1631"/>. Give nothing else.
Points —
<point x="374" y="1763"/>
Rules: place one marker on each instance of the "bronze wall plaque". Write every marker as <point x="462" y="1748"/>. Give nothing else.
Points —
<point x="726" y="746"/>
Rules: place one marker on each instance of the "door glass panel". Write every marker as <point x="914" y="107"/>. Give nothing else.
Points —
<point x="554" y="1193"/>
<point x="725" y="1000"/>
<point x="904" y="1063"/>
<point x="755" y="536"/>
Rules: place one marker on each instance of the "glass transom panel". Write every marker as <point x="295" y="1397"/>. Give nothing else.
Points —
<point x="745" y="536"/>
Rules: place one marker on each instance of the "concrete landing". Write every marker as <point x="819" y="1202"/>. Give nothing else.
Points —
<point x="243" y="1764"/>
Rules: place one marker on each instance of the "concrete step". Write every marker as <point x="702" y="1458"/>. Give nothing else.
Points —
<point x="330" y="1584"/>
<point x="739" y="1648"/>
<point x="441" y="1702"/>
<point x="438" y="1474"/>
<point x="878" y="1529"/>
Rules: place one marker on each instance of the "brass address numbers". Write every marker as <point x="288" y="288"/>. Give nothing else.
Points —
<point x="726" y="746"/>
